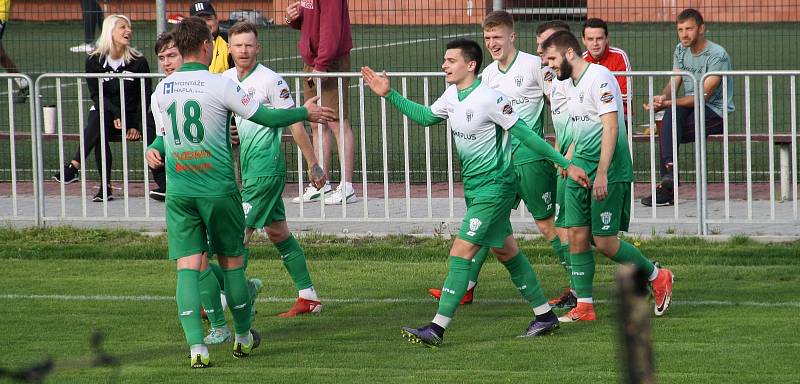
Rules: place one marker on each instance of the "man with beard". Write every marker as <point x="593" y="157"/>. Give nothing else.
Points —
<point x="599" y="146"/>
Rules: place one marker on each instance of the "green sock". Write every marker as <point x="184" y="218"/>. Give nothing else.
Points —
<point x="187" y="295"/>
<point x="217" y="270"/>
<point x="295" y="262"/>
<point x="558" y="250"/>
<point x="568" y="260"/>
<point x="582" y="273"/>
<point x="477" y="263"/>
<point x="209" y="297"/>
<point x="238" y="297"/>
<point x="524" y="278"/>
<point x="628" y="254"/>
<point x="245" y="257"/>
<point x="455" y="285"/>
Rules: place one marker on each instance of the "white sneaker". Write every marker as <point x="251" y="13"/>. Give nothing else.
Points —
<point x="83" y="48"/>
<point x="336" y="196"/>
<point x="312" y="194"/>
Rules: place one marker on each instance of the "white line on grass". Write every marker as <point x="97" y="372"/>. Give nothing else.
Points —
<point x="361" y="300"/>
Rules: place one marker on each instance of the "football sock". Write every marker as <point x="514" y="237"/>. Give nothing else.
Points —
<point x="582" y="273"/>
<point x="568" y="261"/>
<point x="441" y="321"/>
<point x="245" y="257"/>
<point x="199" y="349"/>
<point x="243" y="339"/>
<point x="210" y="298"/>
<point x="187" y="295"/>
<point x="238" y="297"/>
<point x="309" y="294"/>
<point x="628" y="254"/>
<point x="477" y="264"/>
<point x="525" y="279"/>
<point x="455" y="285"/>
<point x="217" y="271"/>
<point x="558" y="250"/>
<point x="295" y="262"/>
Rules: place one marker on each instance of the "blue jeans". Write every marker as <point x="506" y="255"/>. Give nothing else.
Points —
<point x="685" y="132"/>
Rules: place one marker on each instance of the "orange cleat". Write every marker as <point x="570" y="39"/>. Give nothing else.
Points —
<point x="467" y="299"/>
<point x="583" y="312"/>
<point x="302" y="306"/>
<point x="565" y="300"/>
<point x="662" y="290"/>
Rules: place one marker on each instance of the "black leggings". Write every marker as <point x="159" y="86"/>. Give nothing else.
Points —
<point x="92" y="18"/>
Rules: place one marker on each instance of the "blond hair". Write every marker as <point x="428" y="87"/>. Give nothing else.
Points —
<point x="105" y="43"/>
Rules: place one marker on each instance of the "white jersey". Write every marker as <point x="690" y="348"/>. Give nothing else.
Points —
<point x="260" y="148"/>
<point x="560" y="114"/>
<point x="523" y="82"/>
<point x="196" y="106"/>
<point x="479" y="121"/>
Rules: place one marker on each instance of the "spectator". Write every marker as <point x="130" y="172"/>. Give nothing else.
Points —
<point x="221" y="60"/>
<point x="92" y="18"/>
<point x="112" y="55"/>
<point x="5" y="60"/>
<point x="697" y="55"/>
<point x="325" y="44"/>
<point x="598" y="51"/>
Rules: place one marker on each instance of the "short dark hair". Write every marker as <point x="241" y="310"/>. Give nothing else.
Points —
<point x="563" y="40"/>
<point x="498" y="18"/>
<point x="595" y="23"/>
<point x="470" y="50"/>
<point x="243" y="27"/>
<point x="558" y="25"/>
<point x="691" y="13"/>
<point x="164" y="41"/>
<point x="189" y="35"/>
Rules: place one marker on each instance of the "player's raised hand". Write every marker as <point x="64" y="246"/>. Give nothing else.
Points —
<point x="377" y="83"/>
<point x="153" y="158"/>
<point x="578" y="174"/>
<point x="317" y="113"/>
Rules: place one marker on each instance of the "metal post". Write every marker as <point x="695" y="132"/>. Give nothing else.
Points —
<point x="161" y="16"/>
<point x="497" y="5"/>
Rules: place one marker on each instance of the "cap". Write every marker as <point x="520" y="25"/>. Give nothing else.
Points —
<point x="202" y="8"/>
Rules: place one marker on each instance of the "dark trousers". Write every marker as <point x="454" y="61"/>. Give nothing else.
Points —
<point x="684" y="132"/>
<point x="92" y="18"/>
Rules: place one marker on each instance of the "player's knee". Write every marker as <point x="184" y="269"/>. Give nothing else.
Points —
<point x="277" y="235"/>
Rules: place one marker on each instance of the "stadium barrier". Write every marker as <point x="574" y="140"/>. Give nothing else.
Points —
<point x="381" y="201"/>
<point x="16" y="131"/>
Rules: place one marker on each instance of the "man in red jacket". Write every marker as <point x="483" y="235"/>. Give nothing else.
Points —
<point x="598" y="51"/>
<point x="325" y="44"/>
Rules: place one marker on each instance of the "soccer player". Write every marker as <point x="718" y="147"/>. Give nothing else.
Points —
<point x="263" y="164"/>
<point x="203" y="202"/>
<point x="697" y="55"/>
<point x="599" y="51"/>
<point x="599" y="146"/>
<point x="481" y="120"/>
<point x="519" y="76"/>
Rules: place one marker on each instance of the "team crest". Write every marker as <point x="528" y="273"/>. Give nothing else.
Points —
<point x="507" y="110"/>
<point x="469" y="115"/>
<point x="547" y="197"/>
<point x="474" y="224"/>
<point x="518" y="80"/>
<point x="580" y="96"/>
<point x="605" y="217"/>
<point x="251" y="91"/>
<point x="606" y="97"/>
<point x="246" y="207"/>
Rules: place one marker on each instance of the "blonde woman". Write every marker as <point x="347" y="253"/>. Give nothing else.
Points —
<point x="113" y="54"/>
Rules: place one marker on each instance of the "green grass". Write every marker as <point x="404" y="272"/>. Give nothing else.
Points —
<point x="357" y="339"/>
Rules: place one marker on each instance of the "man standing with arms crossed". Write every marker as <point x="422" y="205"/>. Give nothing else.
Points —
<point x="264" y="165"/>
<point x="600" y="147"/>
<point x="203" y="202"/>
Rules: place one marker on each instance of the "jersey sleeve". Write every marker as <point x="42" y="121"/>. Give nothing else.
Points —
<point x="278" y="93"/>
<point x="501" y="112"/>
<point x="439" y="107"/>
<point x="155" y="109"/>
<point x="605" y="93"/>
<point x="237" y="100"/>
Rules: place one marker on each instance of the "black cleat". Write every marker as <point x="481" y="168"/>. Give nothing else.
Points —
<point x="425" y="336"/>
<point x="541" y="328"/>
<point x="663" y="197"/>
<point x="70" y="174"/>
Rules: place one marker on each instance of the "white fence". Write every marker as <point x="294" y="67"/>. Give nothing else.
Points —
<point x="413" y="201"/>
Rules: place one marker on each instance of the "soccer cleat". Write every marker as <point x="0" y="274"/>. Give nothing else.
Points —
<point x="566" y="300"/>
<point x="312" y="194"/>
<point x="664" y="197"/>
<point x="662" y="290"/>
<point x="87" y="48"/>
<point x="424" y="336"/>
<point x="467" y="299"/>
<point x="98" y="198"/>
<point x="70" y="174"/>
<point x="199" y="361"/>
<point x="159" y="194"/>
<point x="254" y="286"/>
<point x="582" y="312"/>
<point x="336" y="196"/>
<point x="302" y="306"/>
<point x="217" y="336"/>
<point x="540" y="328"/>
<point x="22" y="94"/>
<point x="241" y="351"/>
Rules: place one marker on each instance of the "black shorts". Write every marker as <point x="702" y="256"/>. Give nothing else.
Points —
<point x="2" y="28"/>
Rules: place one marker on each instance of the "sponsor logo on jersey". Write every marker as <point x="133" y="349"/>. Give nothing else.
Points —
<point x="307" y="4"/>
<point x="605" y="217"/>
<point x="280" y="82"/>
<point x="192" y="167"/>
<point x="521" y="100"/>
<point x="191" y="155"/>
<point x="606" y="97"/>
<point x="603" y="85"/>
<point x="168" y="87"/>
<point x="284" y="93"/>
<point x="580" y="118"/>
<point x="464" y="136"/>
<point x="246" y="99"/>
<point x="518" y="80"/>
<point x="474" y="224"/>
<point x="499" y="100"/>
<point x="548" y="76"/>
<point x="507" y="109"/>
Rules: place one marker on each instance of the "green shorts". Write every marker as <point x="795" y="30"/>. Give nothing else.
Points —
<point x="262" y="202"/>
<point x="536" y="186"/>
<point x="193" y="222"/>
<point x="561" y="189"/>
<point x="607" y="217"/>
<point x="487" y="221"/>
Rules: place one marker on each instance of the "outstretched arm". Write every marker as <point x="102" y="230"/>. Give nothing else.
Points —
<point x="419" y="113"/>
